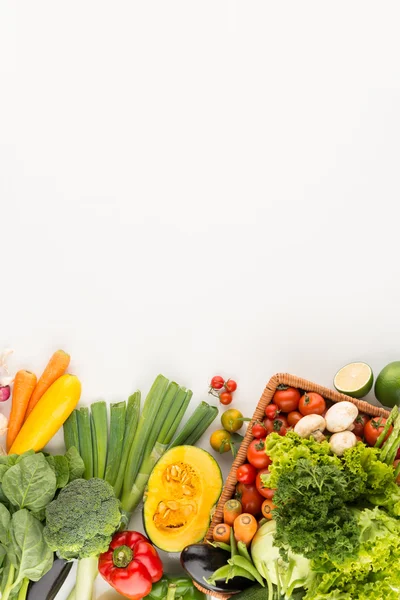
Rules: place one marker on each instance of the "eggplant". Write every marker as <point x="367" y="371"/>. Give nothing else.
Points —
<point x="50" y="584"/>
<point x="200" y="561"/>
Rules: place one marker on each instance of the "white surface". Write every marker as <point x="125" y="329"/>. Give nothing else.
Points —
<point x="200" y="188"/>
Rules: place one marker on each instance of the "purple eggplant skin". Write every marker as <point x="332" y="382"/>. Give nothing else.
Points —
<point x="200" y="561"/>
<point x="50" y="584"/>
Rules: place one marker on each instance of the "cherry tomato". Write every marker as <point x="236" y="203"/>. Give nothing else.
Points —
<point x="358" y="438"/>
<point x="225" y="398"/>
<point x="294" y="417"/>
<point x="246" y="473"/>
<point x="359" y="424"/>
<point x="250" y="498"/>
<point x="232" y="420"/>
<point x="312" y="404"/>
<point x="230" y="385"/>
<point x="267" y="508"/>
<point x="287" y="398"/>
<point x="262" y="489"/>
<point x="374" y="428"/>
<point x="220" y="441"/>
<point x="278" y="425"/>
<point x="258" y="430"/>
<point x="271" y="411"/>
<point x="256" y="454"/>
<point x="217" y="382"/>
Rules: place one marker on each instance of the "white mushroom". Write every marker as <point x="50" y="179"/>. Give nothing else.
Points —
<point x="340" y="416"/>
<point x="339" y="442"/>
<point x="311" y="425"/>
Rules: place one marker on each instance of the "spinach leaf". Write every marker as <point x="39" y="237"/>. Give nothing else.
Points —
<point x="5" y="519"/>
<point x="23" y="455"/>
<point x="59" y="464"/>
<point x="33" y="556"/>
<point x="31" y="483"/>
<point x="3" y="471"/>
<point x="76" y="465"/>
<point x="3" y="554"/>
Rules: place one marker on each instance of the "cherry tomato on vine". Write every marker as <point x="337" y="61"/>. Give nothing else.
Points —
<point x="249" y="497"/>
<point x="246" y="474"/>
<point x="230" y="385"/>
<point x="217" y="382"/>
<point x="287" y="398"/>
<point x="294" y="417"/>
<point x="278" y="425"/>
<point x="271" y="411"/>
<point x="359" y="424"/>
<point x="261" y="488"/>
<point x="374" y="428"/>
<point x="258" y="430"/>
<point x="312" y="404"/>
<point x="225" y="398"/>
<point x="256" y="454"/>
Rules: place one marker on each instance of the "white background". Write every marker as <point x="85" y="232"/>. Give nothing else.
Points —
<point x="197" y="188"/>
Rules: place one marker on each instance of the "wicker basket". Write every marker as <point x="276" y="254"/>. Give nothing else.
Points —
<point x="259" y="414"/>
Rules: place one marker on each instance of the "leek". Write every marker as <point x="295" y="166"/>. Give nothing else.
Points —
<point x="85" y="440"/>
<point x="201" y="427"/>
<point x="117" y="428"/>
<point x="195" y="421"/>
<point x="131" y="422"/>
<point x="99" y="425"/>
<point x="71" y="436"/>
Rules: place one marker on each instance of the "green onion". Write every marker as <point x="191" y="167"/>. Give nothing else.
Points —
<point x="131" y="423"/>
<point x="200" y="420"/>
<point x="85" y="440"/>
<point x="116" y="440"/>
<point x="71" y="437"/>
<point x="99" y="424"/>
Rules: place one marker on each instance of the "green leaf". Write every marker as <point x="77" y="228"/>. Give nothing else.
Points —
<point x="31" y="483"/>
<point x="23" y="455"/>
<point x="236" y="438"/>
<point x="76" y="466"/>
<point x="5" y="519"/>
<point x="3" y="471"/>
<point x="3" y="554"/>
<point x="59" y="464"/>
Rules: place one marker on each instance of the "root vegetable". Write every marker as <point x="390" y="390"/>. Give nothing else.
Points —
<point x="311" y="425"/>
<point x="340" y="416"/>
<point x="341" y="441"/>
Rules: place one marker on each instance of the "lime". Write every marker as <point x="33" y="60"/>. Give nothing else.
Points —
<point x="387" y="385"/>
<point x="354" y="380"/>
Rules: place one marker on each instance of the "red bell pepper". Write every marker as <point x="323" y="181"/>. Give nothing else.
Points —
<point x="131" y="565"/>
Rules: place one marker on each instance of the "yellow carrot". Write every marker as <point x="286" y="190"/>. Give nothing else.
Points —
<point x="56" y="367"/>
<point x="48" y="415"/>
<point x="24" y="384"/>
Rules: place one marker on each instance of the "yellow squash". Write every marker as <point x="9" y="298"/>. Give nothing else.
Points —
<point x="49" y="414"/>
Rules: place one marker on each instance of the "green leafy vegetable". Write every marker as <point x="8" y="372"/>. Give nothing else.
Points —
<point x="59" y="464"/>
<point x="76" y="466"/>
<point x="30" y="483"/>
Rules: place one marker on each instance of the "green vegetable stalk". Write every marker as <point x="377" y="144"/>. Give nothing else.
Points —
<point x="99" y="424"/>
<point x="131" y="422"/>
<point x="116" y="441"/>
<point x="85" y="440"/>
<point x="71" y="435"/>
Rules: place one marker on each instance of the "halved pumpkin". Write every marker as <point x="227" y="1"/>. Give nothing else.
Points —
<point x="182" y="491"/>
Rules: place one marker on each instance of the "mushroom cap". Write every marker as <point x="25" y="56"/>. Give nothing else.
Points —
<point x="340" y="416"/>
<point x="308" y="424"/>
<point x="341" y="441"/>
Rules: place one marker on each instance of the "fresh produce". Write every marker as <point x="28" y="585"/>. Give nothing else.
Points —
<point x="232" y="509"/>
<point x="85" y="440"/>
<point x="220" y="441"/>
<point x="246" y="473"/>
<point x="132" y="415"/>
<point x="340" y="416"/>
<point x="245" y="527"/>
<point x="373" y="429"/>
<point x="222" y="533"/>
<point x="217" y="383"/>
<point x="359" y="424"/>
<point x="342" y="441"/>
<point x="175" y="587"/>
<point x="5" y="393"/>
<point x="51" y="582"/>
<point x="230" y="385"/>
<point x="258" y="430"/>
<point x="49" y="414"/>
<point x="256" y="454"/>
<point x="278" y="425"/>
<point x="286" y="398"/>
<point x="196" y="425"/>
<point x="80" y="523"/>
<point x="98" y="422"/>
<point x="114" y="443"/>
<point x="222" y="389"/>
<point x="249" y="497"/>
<point x="312" y="404"/>
<point x="225" y="398"/>
<point x="267" y="507"/>
<point x="182" y="490"/>
<point x="232" y="420"/>
<point x="56" y="367"/>
<point x="131" y="565"/>
<point x="387" y="385"/>
<point x="271" y="411"/>
<point x="355" y="380"/>
<point x="24" y="384"/>
<point x="294" y="417"/>
<point x="311" y="426"/>
<point x="263" y="489"/>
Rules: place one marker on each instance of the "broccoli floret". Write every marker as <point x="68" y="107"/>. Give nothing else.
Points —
<point x="80" y="523"/>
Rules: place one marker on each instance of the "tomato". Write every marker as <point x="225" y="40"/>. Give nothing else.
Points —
<point x="287" y="398"/>
<point x="230" y="385"/>
<point x="256" y="454"/>
<point x="271" y="411"/>
<point x="258" y="430"/>
<point x="359" y="424"/>
<point x="374" y="428"/>
<point x="312" y="404"/>
<point x="249" y="497"/>
<point x="232" y="420"/>
<point x="262" y="489"/>
<point x="358" y="438"/>
<point x="278" y="425"/>
<point x="220" y="441"/>
<point x="225" y="398"/>
<point x="294" y="417"/>
<point x="246" y="473"/>
<point x="267" y="508"/>
<point x="217" y="382"/>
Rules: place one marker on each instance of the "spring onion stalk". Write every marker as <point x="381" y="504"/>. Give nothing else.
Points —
<point x="85" y="440"/>
<point x="171" y="417"/>
<point x="71" y="436"/>
<point x="204" y="424"/>
<point x="116" y="440"/>
<point x="99" y="423"/>
<point x="393" y="415"/>
<point x="131" y="423"/>
<point x="389" y="450"/>
<point x="202" y="418"/>
<point x="147" y="419"/>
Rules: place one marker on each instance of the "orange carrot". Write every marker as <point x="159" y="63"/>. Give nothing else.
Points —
<point x="24" y="384"/>
<point x="56" y="367"/>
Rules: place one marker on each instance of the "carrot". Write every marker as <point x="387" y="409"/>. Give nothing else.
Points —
<point x="56" y="367"/>
<point x="245" y="528"/>
<point x="222" y="533"/>
<point x="24" y="384"/>
<point x="232" y="509"/>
